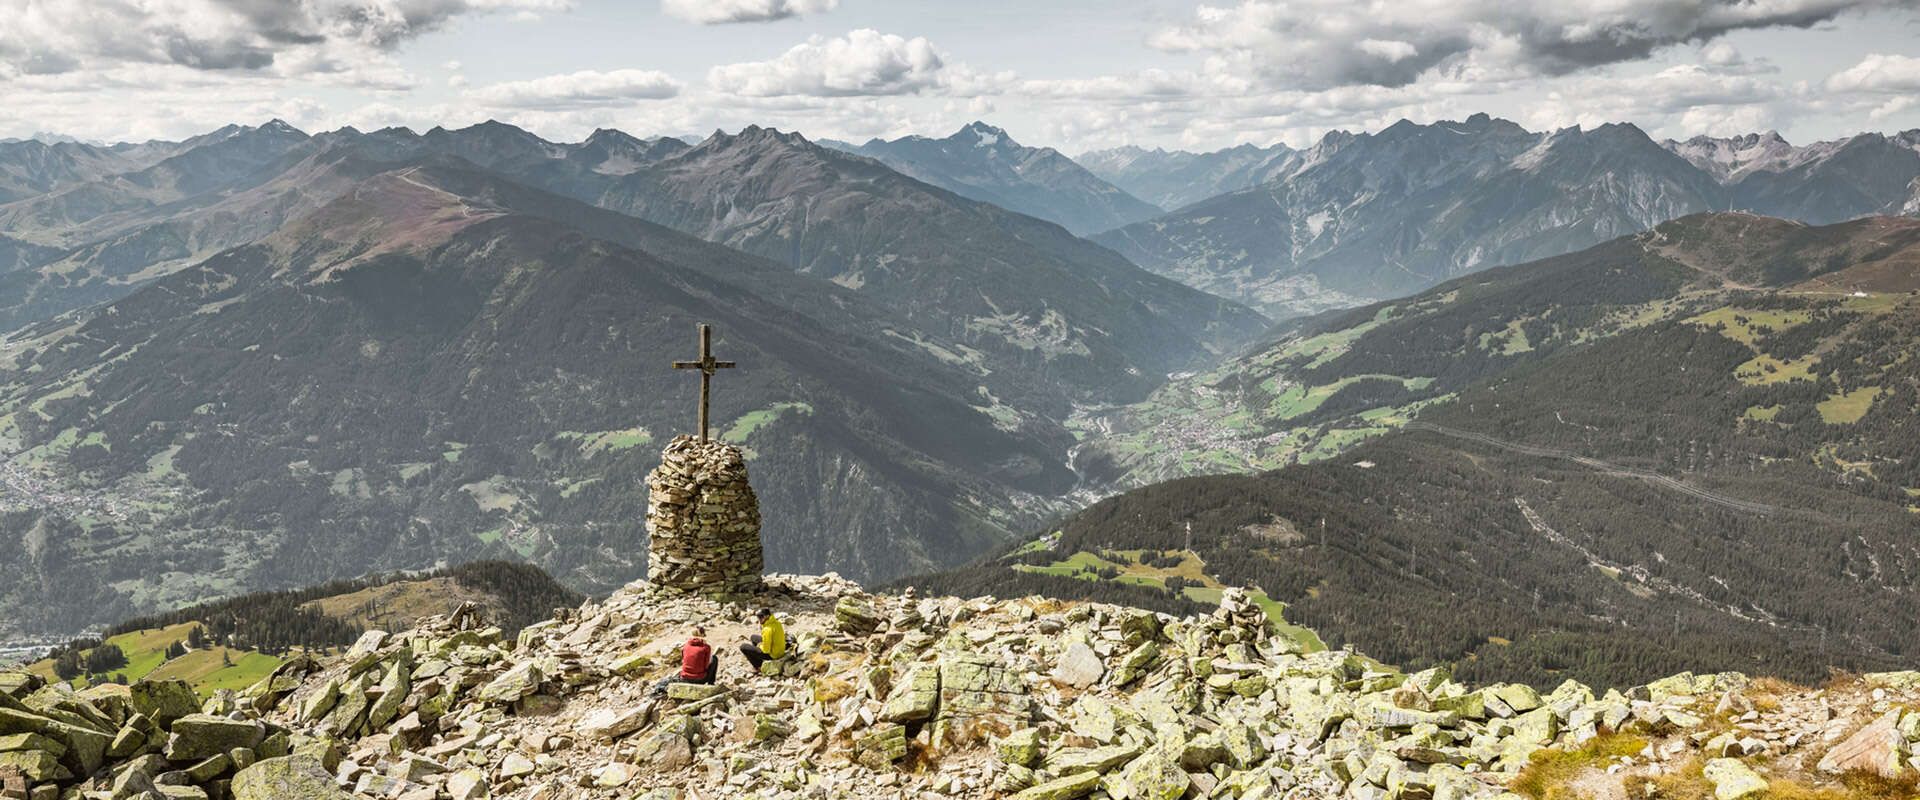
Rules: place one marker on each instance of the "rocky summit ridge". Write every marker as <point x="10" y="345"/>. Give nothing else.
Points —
<point x="893" y="696"/>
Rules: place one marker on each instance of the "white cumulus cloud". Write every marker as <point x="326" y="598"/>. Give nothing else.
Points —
<point x="1879" y="72"/>
<point x="53" y="36"/>
<point x="579" y="90"/>
<point x="1321" y="43"/>
<point x="719" y="12"/>
<point x="862" y="63"/>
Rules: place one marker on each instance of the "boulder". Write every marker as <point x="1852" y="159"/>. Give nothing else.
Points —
<point x="881" y="746"/>
<point x="608" y="724"/>
<point x="670" y="746"/>
<point x="1079" y="784"/>
<point x="393" y="693"/>
<point x="1020" y="748"/>
<point x="768" y="728"/>
<point x="1136" y="663"/>
<point x="1155" y="775"/>
<point x="1071" y="760"/>
<point x="1875" y="748"/>
<point x="516" y="765"/>
<point x="693" y="692"/>
<point x="15" y="683"/>
<point x="855" y="616"/>
<point x="38" y="765"/>
<point x="163" y="701"/>
<point x="320" y="701"/>
<point x="979" y="696"/>
<point x="200" y="736"/>
<point x="288" y="778"/>
<point x="522" y="680"/>
<point x="1079" y="666"/>
<point x="30" y="741"/>
<point x="1733" y="780"/>
<point x="467" y="784"/>
<point x="916" y="697"/>
<point x="209" y="768"/>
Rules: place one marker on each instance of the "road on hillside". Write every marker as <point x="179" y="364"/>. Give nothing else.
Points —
<point x="1595" y="464"/>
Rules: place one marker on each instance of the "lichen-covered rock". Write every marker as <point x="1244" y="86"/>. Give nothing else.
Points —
<point x="1079" y="784"/>
<point x="883" y="745"/>
<point x="768" y="728"/>
<point x="693" y="692"/>
<point x="163" y="701"/>
<point x="916" y="697"/>
<point x="289" y="778"/>
<point x="393" y="694"/>
<point x="17" y="683"/>
<point x="37" y="765"/>
<point x="198" y="736"/>
<point x="1733" y="780"/>
<point x="855" y="616"/>
<point x="1154" y="775"/>
<point x="1020" y="748"/>
<point x="1136" y="663"/>
<point x="522" y="680"/>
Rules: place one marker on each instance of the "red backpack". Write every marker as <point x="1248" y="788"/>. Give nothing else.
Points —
<point x="695" y="660"/>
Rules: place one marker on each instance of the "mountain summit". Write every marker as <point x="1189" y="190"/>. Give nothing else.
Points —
<point x="885" y="696"/>
<point x="982" y="162"/>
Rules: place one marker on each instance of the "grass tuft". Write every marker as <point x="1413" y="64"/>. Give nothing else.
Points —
<point x="1548" y="774"/>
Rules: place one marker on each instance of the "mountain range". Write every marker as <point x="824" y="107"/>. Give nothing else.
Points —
<point x="1369" y="216"/>
<point x="1177" y="178"/>
<point x="981" y="162"/>
<point x="410" y="346"/>
<point x="261" y="358"/>
<point x="440" y="361"/>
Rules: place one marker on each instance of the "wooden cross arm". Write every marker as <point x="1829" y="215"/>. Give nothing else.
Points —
<point x="723" y="365"/>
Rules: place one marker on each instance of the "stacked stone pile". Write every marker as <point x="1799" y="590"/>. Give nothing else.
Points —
<point x="902" y="697"/>
<point x="703" y="521"/>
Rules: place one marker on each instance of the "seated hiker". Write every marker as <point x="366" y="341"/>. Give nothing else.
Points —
<point x="769" y="643"/>
<point x="698" y="664"/>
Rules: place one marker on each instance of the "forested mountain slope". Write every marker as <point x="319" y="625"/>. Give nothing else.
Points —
<point x="441" y="362"/>
<point x="1700" y="440"/>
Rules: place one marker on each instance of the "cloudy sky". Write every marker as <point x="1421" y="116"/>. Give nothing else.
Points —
<point x="1073" y="74"/>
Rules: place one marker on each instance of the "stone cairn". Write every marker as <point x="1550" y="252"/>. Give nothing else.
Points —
<point x="703" y="522"/>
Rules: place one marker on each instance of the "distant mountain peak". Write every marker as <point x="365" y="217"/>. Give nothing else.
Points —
<point x="755" y="134"/>
<point x="277" y="125"/>
<point x="612" y="135"/>
<point x="984" y="135"/>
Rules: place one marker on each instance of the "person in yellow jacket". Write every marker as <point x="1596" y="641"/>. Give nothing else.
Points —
<point x="770" y="642"/>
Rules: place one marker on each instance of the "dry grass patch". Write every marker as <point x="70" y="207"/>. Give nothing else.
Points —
<point x="1687" y="782"/>
<point x="829" y="689"/>
<point x="1765" y="693"/>
<point x="1852" y="786"/>
<point x="1550" y="773"/>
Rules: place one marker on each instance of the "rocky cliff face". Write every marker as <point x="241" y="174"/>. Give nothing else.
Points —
<point x="894" y="696"/>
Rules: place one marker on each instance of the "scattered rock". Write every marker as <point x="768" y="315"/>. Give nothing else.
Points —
<point x="1733" y="780"/>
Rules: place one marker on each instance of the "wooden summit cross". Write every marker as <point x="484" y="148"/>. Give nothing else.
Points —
<point x="707" y="366"/>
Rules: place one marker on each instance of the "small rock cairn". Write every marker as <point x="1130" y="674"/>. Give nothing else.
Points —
<point x="703" y="522"/>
